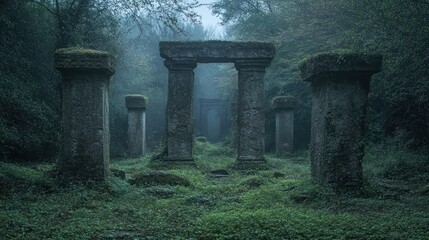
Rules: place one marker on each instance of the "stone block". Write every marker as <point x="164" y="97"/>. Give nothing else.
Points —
<point x="85" y="109"/>
<point x="135" y="101"/>
<point x="340" y="85"/>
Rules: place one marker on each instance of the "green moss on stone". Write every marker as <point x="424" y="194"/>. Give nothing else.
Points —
<point x="135" y="101"/>
<point x="80" y="51"/>
<point x="342" y="62"/>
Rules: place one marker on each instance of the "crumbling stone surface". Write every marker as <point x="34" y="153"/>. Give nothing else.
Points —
<point x="75" y="59"/>
<point x="216" y="51"/>
<point x="340" y="85"/>
<point x="251" y="59"/>
<point x="180" y="127"/>
<point x="85" y="109"/>
<point x="135" y="101"/>
<point x="250" y="114"/>
<point x="323" y="65"/>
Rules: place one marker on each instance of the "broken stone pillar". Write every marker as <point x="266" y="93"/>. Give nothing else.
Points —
<point x="85" y="109"/>
<point x="340" y="85"/>
<point x="250" y="113"/>
<point x="136" y="105"/>
<point x="284" y="107"/>
<point x="180" y="127"/>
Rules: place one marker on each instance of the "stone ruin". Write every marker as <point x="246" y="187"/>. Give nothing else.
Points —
<point x="136" y="105"/>
<point x="340" y="85"/>
<point x="250" y="59"/>
<point x="85" y="110"/>
<point x="284" y="108"/>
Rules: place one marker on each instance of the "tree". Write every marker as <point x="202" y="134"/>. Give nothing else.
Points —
<point x="398" y="29"/>
<point x="82" y="17"/>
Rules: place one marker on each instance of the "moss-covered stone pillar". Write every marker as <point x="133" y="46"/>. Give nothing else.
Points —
<point x="85" y="109"/>
<point x="180" y="127"/>
<point x="340" y="85"/>
<point x="250" y="113"/>
<point x="136" y="105"/>
<point x="284" y="107"/>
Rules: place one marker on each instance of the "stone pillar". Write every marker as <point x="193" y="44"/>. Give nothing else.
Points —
<point x="250" y="113"/>
<point x="85" y="109"/>
<point x="284" y="107"/>
<point x="136" y="105"/>
<point x="180" y="129"/>
<point x="234" y="127"/>
<point x="340" y="85"/>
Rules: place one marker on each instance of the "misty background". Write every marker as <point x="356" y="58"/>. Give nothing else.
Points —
<point x="30" y="87"/>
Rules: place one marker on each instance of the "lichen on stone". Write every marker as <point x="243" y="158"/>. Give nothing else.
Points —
<point x="80" y="59"/>
<point x="135" y="101"/>
<point x="80" y="51"/>
<point x="340" y="63"/>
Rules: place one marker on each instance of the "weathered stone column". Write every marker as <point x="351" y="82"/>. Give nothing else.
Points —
<point x="85" y="109"/>
<point x="180" y="128"/>
<point x="234" y="124"/>
<point x="250" y="114"/>
<point x="340" y="84"/>
<point x="136" y="105"/>
<point x="284" y="107"/>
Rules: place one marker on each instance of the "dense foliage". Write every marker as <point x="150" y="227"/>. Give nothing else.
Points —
<point x="397" y="29"/>
<point x="30" y="87"/>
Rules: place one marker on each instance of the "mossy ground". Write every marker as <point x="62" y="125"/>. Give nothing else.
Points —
<point x="283" y="205"/>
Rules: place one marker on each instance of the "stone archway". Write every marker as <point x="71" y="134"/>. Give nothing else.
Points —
<point x="250" y="59"/>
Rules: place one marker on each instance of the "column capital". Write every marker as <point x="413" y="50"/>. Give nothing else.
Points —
<point x="135" y="101"/>
<point x="181" y="64"/>
<point x="327" y="65"/>
<point x="252" y="64"/>
<point x="71" y="60"/>
<point x="284" y="103"/>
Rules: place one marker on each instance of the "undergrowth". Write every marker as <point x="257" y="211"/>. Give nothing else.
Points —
<point x="278" y="203"/>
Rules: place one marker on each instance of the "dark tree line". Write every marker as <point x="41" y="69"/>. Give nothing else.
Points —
<point x="398" y="29"/>
<point x="31" y="30"/>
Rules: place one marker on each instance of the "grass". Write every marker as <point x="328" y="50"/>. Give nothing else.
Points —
<point x="283" y="205"/>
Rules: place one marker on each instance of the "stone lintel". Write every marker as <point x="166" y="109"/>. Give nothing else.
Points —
<point x="284" y="102"/>
<point x="348" y="64"/>
<point x="181" y="64"/>
<point x="135" y="101"/>
<point x="84" y="60"/>
<point x="256" y="64"/>
<point x="216" y="51"/>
